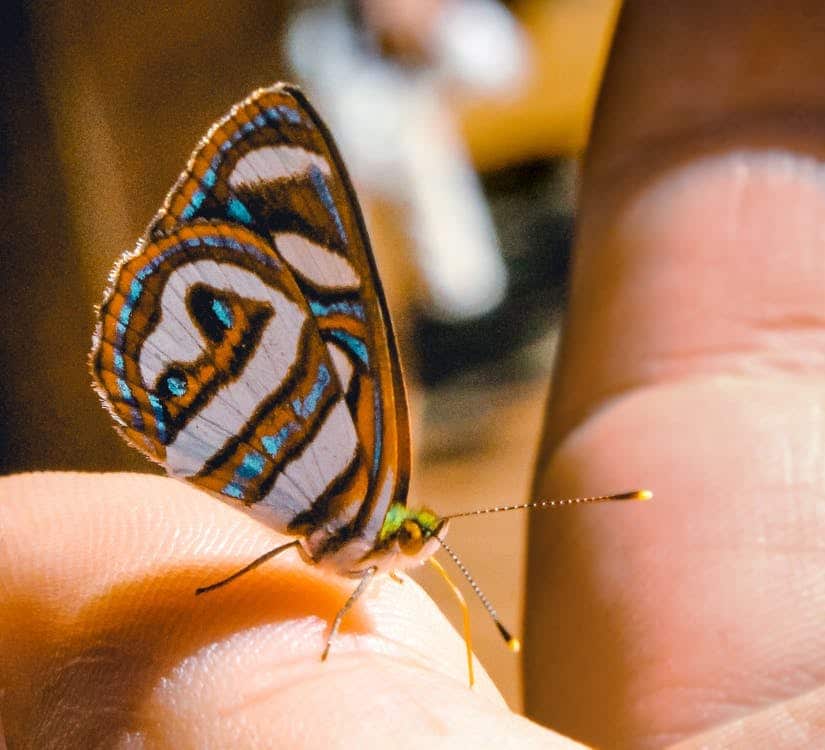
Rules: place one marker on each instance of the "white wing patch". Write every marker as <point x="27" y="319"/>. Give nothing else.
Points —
<point x="343" y="365"/>
<point x="274" y="163"/>
<point x="324" y="268"/>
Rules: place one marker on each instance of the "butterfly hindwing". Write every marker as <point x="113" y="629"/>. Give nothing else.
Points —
<point x="246" y="344"/>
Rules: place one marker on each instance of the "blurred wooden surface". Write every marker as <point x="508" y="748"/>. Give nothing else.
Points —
<point x="570" y="40"/>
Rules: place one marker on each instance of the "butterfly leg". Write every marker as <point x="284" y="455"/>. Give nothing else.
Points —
<point x="465" y="610"/>
<point x="366" y="577"/>
<point x="254" y="564"/>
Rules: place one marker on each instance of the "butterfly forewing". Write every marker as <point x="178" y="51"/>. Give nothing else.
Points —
<point x="246" y="344"/>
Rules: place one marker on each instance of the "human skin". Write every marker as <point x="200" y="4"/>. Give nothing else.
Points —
<point x="692" y="364"/>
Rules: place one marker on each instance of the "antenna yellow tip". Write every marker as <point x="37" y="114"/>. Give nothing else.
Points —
<point x="514" y="644"/>
<point x="634" y="495"/>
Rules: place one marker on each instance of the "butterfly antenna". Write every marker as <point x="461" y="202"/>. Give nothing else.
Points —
<point x="633" y="495"/>
<point x="514" y="644"/>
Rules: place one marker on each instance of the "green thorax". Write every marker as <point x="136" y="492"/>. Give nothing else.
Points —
<point x="398" y="513"/>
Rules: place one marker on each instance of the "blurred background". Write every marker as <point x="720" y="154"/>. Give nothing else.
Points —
<point x="460" y="121"/>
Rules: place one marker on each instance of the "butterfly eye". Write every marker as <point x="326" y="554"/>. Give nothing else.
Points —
<point x="410" y="538"/>
<point x="212" y="313"/>
<point x="174" y="385"/>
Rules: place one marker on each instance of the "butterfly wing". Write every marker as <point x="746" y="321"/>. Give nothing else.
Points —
<point x="246" y="343"/>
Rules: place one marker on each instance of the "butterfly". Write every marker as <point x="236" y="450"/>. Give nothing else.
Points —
<point x="246" y="346"/>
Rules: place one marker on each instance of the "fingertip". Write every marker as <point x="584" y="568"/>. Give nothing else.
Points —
<point x="365" y="697"/>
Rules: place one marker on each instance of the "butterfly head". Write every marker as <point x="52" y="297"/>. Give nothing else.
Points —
<point x="413" y="535"/>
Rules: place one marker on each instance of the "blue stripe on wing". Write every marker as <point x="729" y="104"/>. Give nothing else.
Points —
<point x="304" y="408"/>
<point x="352" y="343"/>
<point x="252" y="465"/>
<point x="322" y="310"/>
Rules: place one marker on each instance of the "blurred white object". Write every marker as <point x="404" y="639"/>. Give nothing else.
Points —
<point x="399" y="139"/>
<point x="457" y="248"/>
<point x="480" y="45"/>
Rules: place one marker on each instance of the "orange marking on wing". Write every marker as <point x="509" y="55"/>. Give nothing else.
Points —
<point x="353" y="494"/>
<point x="343" y="322"/>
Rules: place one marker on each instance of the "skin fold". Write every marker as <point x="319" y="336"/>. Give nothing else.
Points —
<point x="692" y="364"/>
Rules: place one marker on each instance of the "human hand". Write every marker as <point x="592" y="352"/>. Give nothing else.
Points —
<point x="692" y="365"/>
